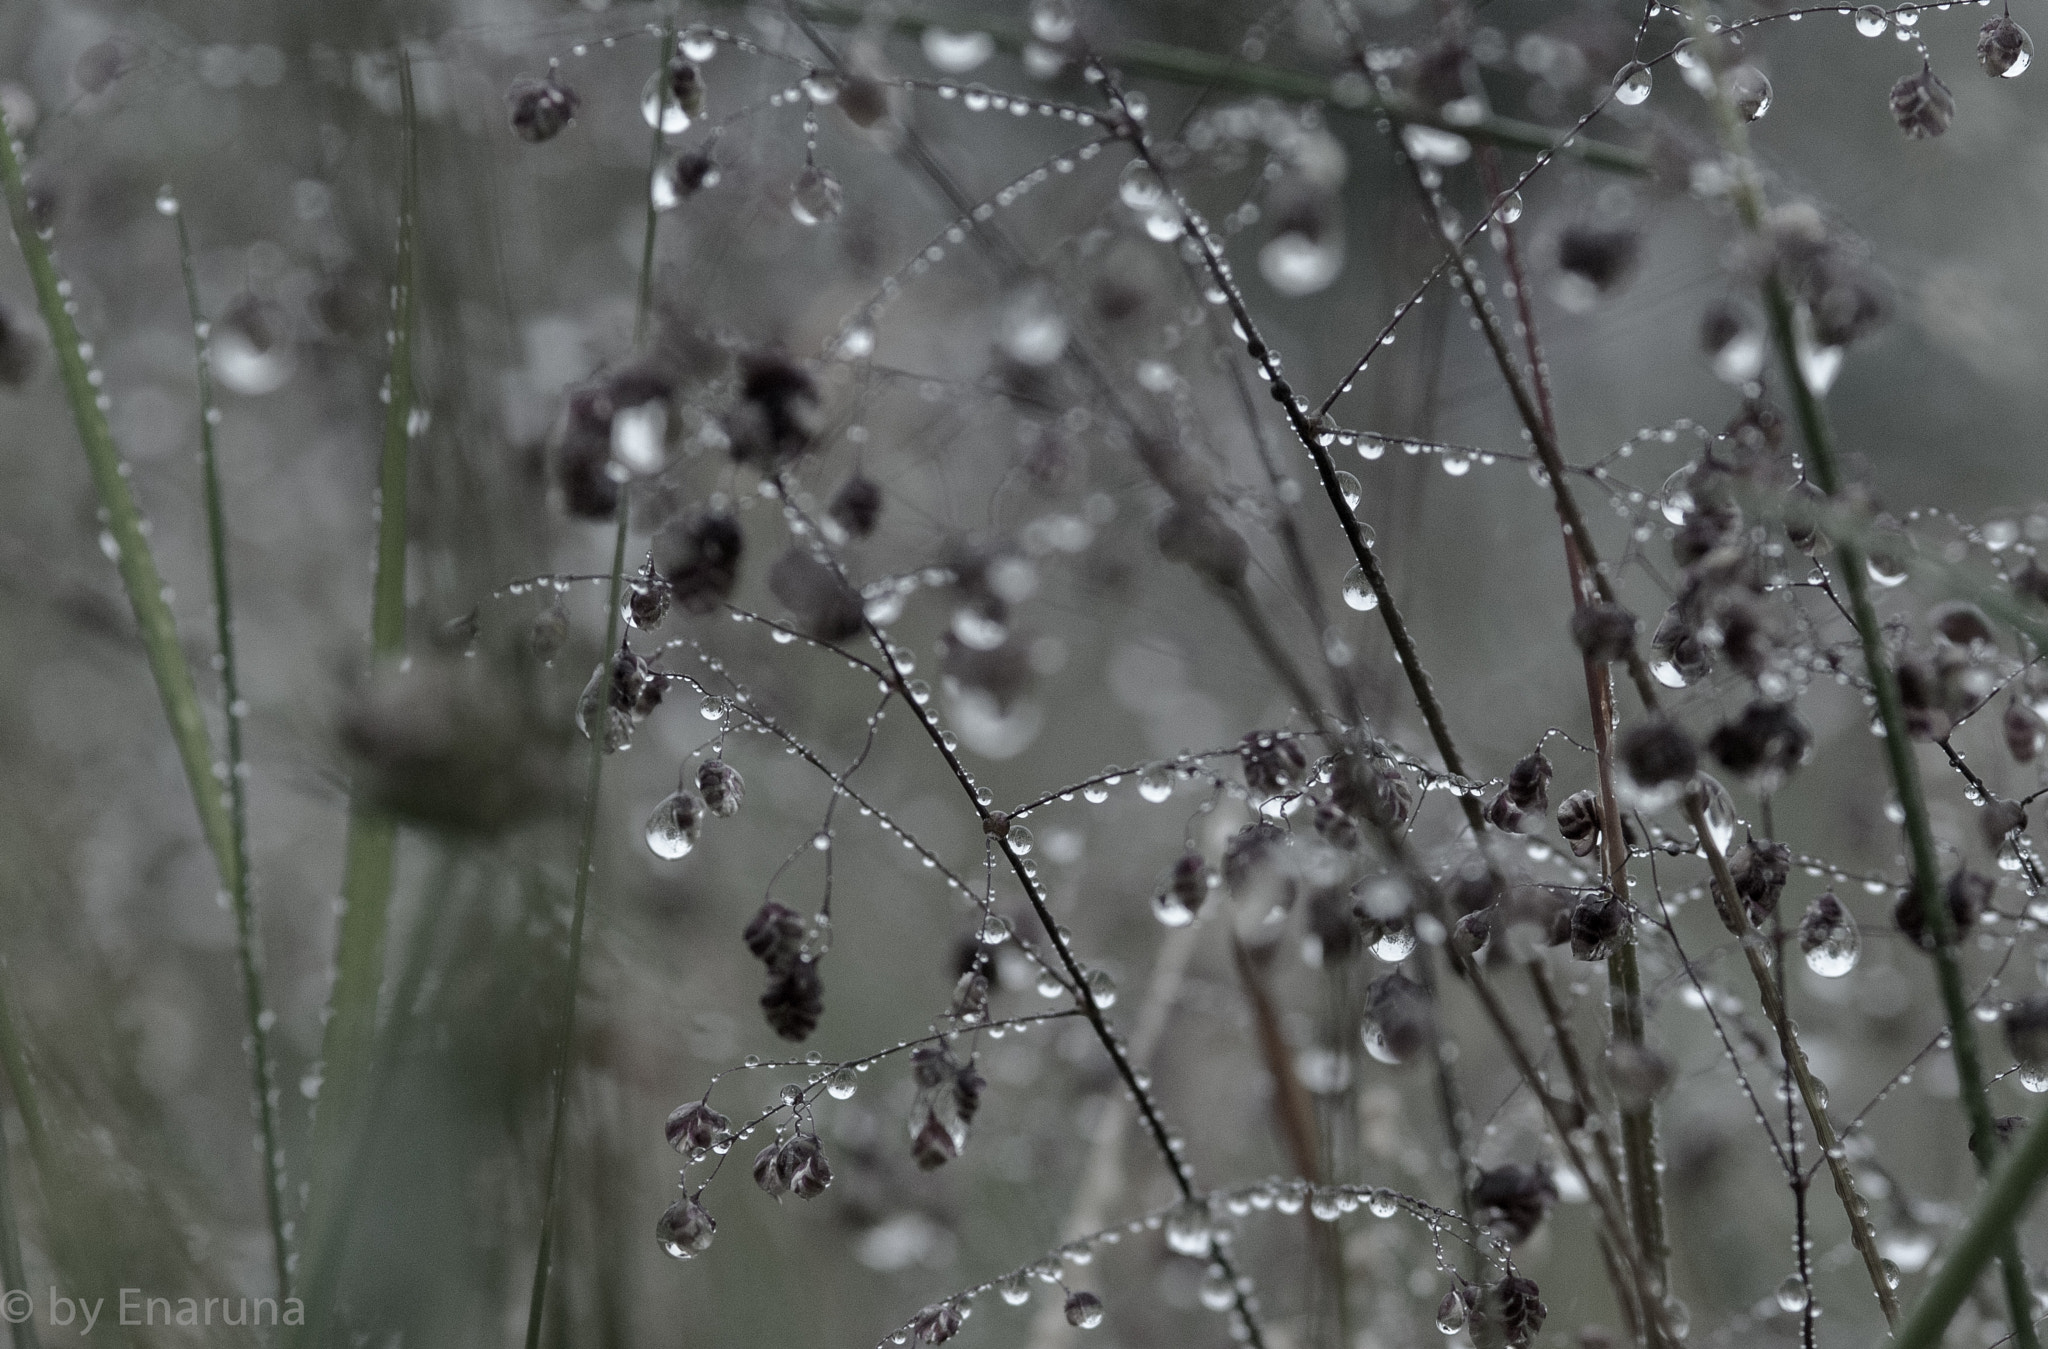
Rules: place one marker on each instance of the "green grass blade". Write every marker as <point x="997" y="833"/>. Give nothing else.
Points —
<point x="2006" y="1197"/>
<point x="372" y="846"/>
<point x="247" y="951"/>
<point x="586" y="848"/>
<point x="123" y="519"/>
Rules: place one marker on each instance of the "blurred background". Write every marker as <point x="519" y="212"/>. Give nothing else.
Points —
<point x="987" y="392"/>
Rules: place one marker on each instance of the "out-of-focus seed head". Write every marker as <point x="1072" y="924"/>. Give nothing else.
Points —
<point x="824" y="604"/>
<point x="1513" y="1199"/>
<point x="18" y="350"/>
<point x="1604" y="632"/>
<point x="1767" y="741"/>
<point x="779" y="413"/>
<point x="540" y="109"/>
<point x="932" y="1146"/>
<point x="1400" y="1009"/>
<point x="1657" y="751"/>
<point x="2024" y="733"/>
<point x="1922" y="105"/>
<point x="1966" y="895"/>
<point x="857" y="505"/>
<point x="795" y="1000"/>
<point x="1601" y="255"/>
<point x="2026" y="1032"/>
<point x="1638" y="1074"/>
<point x="1197" y="537"/>
<point x="699" y="557"/>
<point x="1963" y="624"/>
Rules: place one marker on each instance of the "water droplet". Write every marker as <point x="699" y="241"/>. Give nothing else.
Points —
<point x="1632" y="84"/>
<point x="1021" y="840"/>
<point x="698" y="44"/>
<point x="166" y="201"/>
<point x="1792" y="1294"/>
<point x="673" y="828"/>
<point x="1358" y="592"/>
<point x="842" y="1084"/>
<point x="1382" y="1204"/>
<point x="1188" y="1229"/>
<point x="1395" y="944"/>
<point x="1102" y="988"/>
<point x="816" y="196"/>
<point x="1296" y="263"/>
<point x="1139" y="188"/>
<point x="1749" y="92"/>
<point x="1052" y="20"/>
<point x="1156" y="784"/>
<point x="1719" y="809"/>
<point x="956" y="53"/>
<point x="657" y="105"/>
<point x="1450" y="1313"/>
<point x="1871" y="21"/>
<point x="1347" y="486"/>
<point x="1510" y="209"/>
<point x="1891" y="1273"/>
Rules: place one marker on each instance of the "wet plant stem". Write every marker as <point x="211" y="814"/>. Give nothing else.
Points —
<point x="586" y="847"/>
<point x="248" y="959"/>
<point x="1818" y="437"/>
<point x="371" y="850"/>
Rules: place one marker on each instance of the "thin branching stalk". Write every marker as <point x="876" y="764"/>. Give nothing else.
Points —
<point x="1818" y="438"/>
<point x="1206" y="70"/>
<point x="247" y="950"/>
<point x="372" y="846"/>
<point x="593" y="784"/>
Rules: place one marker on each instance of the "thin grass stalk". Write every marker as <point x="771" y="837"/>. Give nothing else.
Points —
<point x="12" y="1270"/>
<point x="217" y="808"/>
<point x="1818" y="437"/>
<point x="248" y="951"/>
<point x="372" y="846"/>
<point x="122" y="518"/>
<point x="2006" y="1197"/>
<point x="586" y="847"/>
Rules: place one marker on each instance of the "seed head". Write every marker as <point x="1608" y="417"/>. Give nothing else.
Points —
<point x="541" y="108"/>
<point x="1922" y="105"/>
<point x="696" y="1126"/>
<point x="1658" y="751"/>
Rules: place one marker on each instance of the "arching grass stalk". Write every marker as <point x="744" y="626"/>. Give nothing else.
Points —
<point x="371" y="850"/>
<point x="248" y="953"/>
<point x="586" y="848"/>
<point x="1818" y="437"/>
<point x="153" y="619"/>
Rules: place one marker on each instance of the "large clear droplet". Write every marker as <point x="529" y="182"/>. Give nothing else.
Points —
<point x="1749" y="92"/>
<point x="1188" y="1229"/>
<point x="656" y="106"/>
<point x="1293" y="263"/>
<point x="1450" y="1313"/>
<point x="1632" y="84"/>
<point x="1139" y="188"/>
<point x="1792" y="1294"/>
<point x="1871" y="21"/>
<point x="673" y="828"/>
<point x="1156" y="784"/>
<point x="816" y="197"/>
<point x="1395" y="944"/>
<point x="1347" y="486"/>
<point x="1358" y="592"/>
<point x="1719" y="809"/>
<point x="842" y="1084"/>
